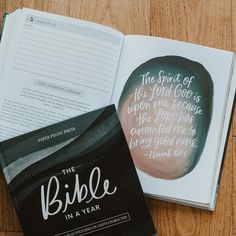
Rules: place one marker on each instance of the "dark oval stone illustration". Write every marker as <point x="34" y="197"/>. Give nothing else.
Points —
<point x="165" y="109"/>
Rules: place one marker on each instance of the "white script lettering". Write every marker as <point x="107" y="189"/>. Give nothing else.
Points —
<point x="80" y="193"/>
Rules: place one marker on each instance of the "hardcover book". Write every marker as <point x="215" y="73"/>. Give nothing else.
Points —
<point x="76" y="177"/>
<point x="174" y="99"/>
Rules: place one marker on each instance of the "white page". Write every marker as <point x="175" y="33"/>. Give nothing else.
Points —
<point x="8" y="30"/>
<point x="197" y="184"/>
<point x="6" y="39"/>
<point x="57" y="67"/>
<point x="223" y="143"/>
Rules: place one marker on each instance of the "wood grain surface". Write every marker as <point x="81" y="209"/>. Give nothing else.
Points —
<point x="206" y="22"/>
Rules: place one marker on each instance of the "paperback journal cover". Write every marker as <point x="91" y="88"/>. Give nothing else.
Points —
<point x="76" y="178"/>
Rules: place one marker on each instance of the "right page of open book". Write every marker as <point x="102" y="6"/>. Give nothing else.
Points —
<point x="171" y="98"/>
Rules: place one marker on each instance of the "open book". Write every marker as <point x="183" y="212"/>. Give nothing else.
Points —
<point x="174" y="99"/>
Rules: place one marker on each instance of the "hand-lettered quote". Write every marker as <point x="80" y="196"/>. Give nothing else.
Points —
<point x="165" y="110"/>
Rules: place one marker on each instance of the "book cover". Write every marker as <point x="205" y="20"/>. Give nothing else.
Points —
<point x="76" y="177"/>
<point x="3" y="23"/>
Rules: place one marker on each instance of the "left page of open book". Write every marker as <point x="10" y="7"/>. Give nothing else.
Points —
<point x="53" y="68"/>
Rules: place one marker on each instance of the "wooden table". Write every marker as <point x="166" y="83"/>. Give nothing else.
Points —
<point x="206" y="22"/>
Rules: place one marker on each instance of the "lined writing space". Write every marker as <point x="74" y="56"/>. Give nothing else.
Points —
<point x="76" y="55"/>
